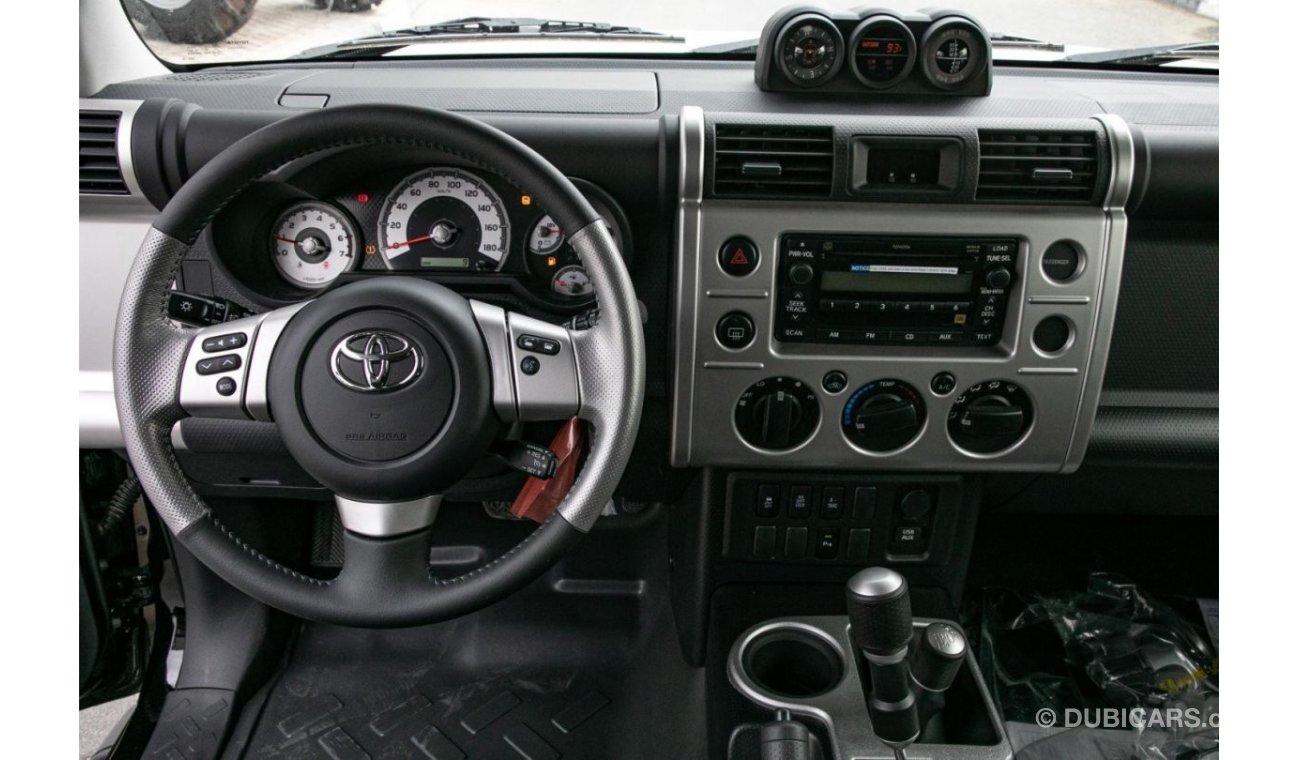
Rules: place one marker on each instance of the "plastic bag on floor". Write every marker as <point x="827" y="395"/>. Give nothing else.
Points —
<point x="1111" y="659"/>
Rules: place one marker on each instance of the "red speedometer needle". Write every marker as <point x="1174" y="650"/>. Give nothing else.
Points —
<point x="419" y="239"/>
<point x="285" y="240"/>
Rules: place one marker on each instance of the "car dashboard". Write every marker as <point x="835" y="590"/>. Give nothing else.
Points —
<point x="881" y="302"/>
<point x="659" y="178"/>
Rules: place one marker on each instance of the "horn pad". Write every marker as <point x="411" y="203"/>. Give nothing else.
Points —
<point x="382" y="389"/>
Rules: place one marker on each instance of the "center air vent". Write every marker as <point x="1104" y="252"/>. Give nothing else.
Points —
<point x="100" y="172"/>
<point x="1038" y="167"/>
<point x="772" y="162"/>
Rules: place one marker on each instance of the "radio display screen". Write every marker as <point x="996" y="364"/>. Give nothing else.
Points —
<point x="898" y="278"/>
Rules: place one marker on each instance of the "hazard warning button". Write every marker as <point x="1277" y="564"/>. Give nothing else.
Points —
<point x="738" y="256"/>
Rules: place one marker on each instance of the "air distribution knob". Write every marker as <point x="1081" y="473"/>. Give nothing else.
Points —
<point x="990" y="416"/>
<point x="883" y="415"/>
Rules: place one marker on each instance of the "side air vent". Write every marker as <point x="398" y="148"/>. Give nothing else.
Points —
<point x="100" y="172"/>
<point x="1038" y="167"/>
<point x="772" y="162"/>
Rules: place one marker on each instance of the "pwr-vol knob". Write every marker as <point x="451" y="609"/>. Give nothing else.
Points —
<point x="777" y="414"/>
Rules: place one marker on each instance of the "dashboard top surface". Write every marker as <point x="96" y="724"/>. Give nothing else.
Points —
<point x="650" y="89"/>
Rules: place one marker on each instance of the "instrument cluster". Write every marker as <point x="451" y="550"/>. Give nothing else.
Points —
<point x="447" y="222"/>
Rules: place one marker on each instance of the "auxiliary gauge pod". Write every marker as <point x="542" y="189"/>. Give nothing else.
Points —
<point x="905" y="693"/>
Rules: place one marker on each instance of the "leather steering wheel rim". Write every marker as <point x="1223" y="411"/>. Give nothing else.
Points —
<point x="377" y="586"/>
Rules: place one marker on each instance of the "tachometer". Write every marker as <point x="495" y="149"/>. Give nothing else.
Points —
<point x="444" y="219"/>
<point x="313" y="243"/>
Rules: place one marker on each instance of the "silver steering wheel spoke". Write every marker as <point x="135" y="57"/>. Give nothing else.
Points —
<point x="534" y="365"/>
<point x="227" y="365"/>
<point x="389" y="518"/>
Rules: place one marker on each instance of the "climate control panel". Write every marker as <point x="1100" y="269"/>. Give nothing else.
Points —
<point x="973" y="337"/>
<point x="884" y="416"/>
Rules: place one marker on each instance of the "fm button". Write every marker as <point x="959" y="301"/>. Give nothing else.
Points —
<point x="738" y="256"/>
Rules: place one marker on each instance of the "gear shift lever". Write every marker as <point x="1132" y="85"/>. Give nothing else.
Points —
<point x="880" y="626"/>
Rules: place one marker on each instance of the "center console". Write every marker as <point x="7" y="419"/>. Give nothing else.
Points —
<point x="948" y="330"/>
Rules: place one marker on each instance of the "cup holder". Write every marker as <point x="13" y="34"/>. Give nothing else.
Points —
<point x="792" y="662"/>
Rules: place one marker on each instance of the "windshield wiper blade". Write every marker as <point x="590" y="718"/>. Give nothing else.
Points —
<point x="481" y="26"/>
<point x="1024" y="43"/>
<point x="1152" y="55"/>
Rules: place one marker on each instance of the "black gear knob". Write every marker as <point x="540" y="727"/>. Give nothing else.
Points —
<point x="880" y="611"/>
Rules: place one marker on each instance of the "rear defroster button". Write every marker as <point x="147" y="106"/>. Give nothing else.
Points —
<point x="735" y="330"/>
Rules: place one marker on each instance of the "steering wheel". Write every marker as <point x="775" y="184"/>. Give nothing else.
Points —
<point x="385" y="390"/>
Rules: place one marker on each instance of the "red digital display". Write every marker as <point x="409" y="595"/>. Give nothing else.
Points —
<point x="888" y="47"/>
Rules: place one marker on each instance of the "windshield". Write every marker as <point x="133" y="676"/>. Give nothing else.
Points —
<point x="190" y="32"/>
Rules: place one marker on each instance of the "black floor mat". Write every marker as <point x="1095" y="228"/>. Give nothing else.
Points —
<point x="592" y="671"/>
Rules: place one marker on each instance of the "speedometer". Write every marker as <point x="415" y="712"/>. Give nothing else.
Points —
<point x="444" y="219"/>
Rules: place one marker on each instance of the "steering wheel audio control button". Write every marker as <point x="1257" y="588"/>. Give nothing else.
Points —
<point x="217" y="364"/>
<point x="227" y="342"/>
<point x="538" y="345"/>
<point x="227" y="386"/>
<point x="530" y="365"/>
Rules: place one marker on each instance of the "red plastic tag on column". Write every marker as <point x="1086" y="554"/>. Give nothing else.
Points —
<point x="539" y="498"/>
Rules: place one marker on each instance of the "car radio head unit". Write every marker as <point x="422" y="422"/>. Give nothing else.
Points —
<point x="880" y="290"/>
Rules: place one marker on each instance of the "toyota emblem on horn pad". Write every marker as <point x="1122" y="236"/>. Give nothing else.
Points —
<point x="374" y="361"/>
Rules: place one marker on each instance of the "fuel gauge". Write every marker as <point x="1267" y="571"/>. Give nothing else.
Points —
<point x="571" y="282"/>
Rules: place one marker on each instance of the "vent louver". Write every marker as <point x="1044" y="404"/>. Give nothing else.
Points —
<point x="772" y="162"/>
<point x="99" y="170"/>
<point x="1038" y="167"/>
